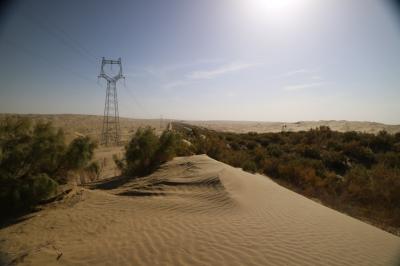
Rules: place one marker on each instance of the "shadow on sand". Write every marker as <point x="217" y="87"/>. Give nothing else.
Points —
<point x="16" y="219"/>
<point x="109" y="183"/>
<point x="138" y="193"/>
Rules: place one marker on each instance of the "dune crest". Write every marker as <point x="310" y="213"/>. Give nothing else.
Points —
<point x="194" y="211"/>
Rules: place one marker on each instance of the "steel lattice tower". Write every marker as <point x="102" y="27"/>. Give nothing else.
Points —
<point x="110" y="133"/>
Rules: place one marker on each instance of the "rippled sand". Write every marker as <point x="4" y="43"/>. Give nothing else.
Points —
<point x="195" y="211"/>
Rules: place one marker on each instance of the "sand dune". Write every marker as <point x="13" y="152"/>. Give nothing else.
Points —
<point x="91" y="125"/>
<point x="194" y="211"/>
<point x="262" y="127"/>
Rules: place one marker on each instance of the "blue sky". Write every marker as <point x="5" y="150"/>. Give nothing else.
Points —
<point x="273" y="60"/>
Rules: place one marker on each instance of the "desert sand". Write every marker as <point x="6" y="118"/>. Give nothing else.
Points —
<point x="193" y="211"/>
<point x="262" y="127"/>
<point x="90" y="125"/>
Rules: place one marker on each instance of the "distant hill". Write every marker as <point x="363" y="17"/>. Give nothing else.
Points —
<point x="75" y="125"/>
<point x="260" y="127"/>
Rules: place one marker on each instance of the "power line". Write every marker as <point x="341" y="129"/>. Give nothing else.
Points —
<point x="88" y="55"/>
<point x="34" y="54"/>
<point x="61" y="37"/>
<point x="72" y="44"/>
<point x="144" y="110"/>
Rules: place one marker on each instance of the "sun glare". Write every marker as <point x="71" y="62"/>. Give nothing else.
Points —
<point x="273" y="10"/>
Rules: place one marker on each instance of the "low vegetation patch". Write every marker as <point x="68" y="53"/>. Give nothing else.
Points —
<point x="34" y="160"/>
<point x="146" y="151"/>
<point x="358" y="173"/>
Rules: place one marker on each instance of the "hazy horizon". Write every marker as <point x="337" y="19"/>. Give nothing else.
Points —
<point x="202" y="120"/>
<point x="231" y="60"/>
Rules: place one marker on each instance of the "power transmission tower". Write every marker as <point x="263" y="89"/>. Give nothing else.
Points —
<point x="110" y="133"/>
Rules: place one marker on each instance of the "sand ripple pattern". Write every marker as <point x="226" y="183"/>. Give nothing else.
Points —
<point x="196" y="211"/>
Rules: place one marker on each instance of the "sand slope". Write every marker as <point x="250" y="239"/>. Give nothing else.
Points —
<point x="195" y="211"/>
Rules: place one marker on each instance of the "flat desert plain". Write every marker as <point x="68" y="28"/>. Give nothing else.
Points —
<point x="193" y="211"/>
<point x="262" y="127"/>
<point x="90" y="125"/>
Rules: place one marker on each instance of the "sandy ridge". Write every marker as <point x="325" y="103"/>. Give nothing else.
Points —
<point x="195" y="211"/>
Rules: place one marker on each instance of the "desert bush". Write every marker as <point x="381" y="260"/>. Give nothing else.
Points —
<point x="358" y="185"/>
<point x="27" y="150"/>
<point x="213" y="147"/>
<point x="146" y="151"/>
<point x="360" y="154"/>
<point x="18" y="194"/>
<point x="335" y="161"/>
<point x="382" y="142"/>
<point x="236" y="159"/>
<point x="251" y="145"/>
<point x="274" y="150"/>
<point x="351" y="136"/>
<point x="170" y="145"/>
<point x="271" y="167"/>
<point x="378" y="186"/>
<point x="119" y="162"/>
<point x="385" y="185"/>
<point x="235" y="146"/>
<point x="140" y="152"/>
<point x="349" y="171"/>
<point x="250" y="166"/>
<point x="93" y="170"/>
<point x="298" y="173"/>
<point x="34" y="159"/>
<point x="79" y="153"/>
<point x="389" y="159"/>
<point x="311" y="152"/>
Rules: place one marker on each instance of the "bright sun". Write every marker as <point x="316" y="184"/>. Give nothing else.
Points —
<point x="273" y="10"/>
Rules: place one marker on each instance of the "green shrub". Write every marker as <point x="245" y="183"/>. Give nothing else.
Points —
<point x="169" y="144"/>
<point x="27" y="150"/>
<point x="21" y="194"/>
<point x="93" y="170"/>
<point x="146" y="151"/>
<point x="140" y="152"/>
<point x="358" y="185"/>
<point x="299" y="173"/>
<point x="34" y="159"/>
<point x="351" y="136"/>
<point x="311" y="152"/>
<point x="382" y="142"/>
<point x="119" y="162"/>
<point x="274" y="150"/>
<point x="236" y="159"/>
<point x="359" y="153"/>
<point x="271" y="167"/>
<point x="389" y="159"/>
<point x="349" y="171"/>
<point x="79" y="153"/>
<point x="335" y="161"/>
<point x="250" y="166"/>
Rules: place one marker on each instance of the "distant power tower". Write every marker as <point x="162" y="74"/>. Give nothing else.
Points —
<point x="110" y="133"/>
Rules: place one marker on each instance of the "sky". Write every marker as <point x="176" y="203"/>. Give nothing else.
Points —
<point x="257" y="60"/>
